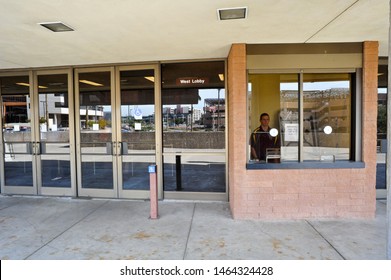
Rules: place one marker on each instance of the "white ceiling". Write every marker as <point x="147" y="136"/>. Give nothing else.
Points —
<point x="117" y="31"/>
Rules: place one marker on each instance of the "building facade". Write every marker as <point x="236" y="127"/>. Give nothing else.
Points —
<point x="93" y="131"/>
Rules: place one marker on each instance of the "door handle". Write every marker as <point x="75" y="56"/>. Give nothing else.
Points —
<point x="109" y="148"/>
<point x="42" y="148"/>
<point x="30" y="148"/>
<point x="124" y="148"/>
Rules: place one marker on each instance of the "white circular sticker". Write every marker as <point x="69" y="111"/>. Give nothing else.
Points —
<point x="273" y="132"/>
<point x="327" y="129"/>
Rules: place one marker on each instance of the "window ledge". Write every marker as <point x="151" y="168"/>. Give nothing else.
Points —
<point x="307" y="165"/>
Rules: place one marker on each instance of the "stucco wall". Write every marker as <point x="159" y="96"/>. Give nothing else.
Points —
<point x="300" y="193"/>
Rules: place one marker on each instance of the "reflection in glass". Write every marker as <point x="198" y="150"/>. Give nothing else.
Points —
<point x="194" y="173"/>
<point x="16" y="116"/>
<point x="56" y="171"/>
<point x="277" y="95"/>
<point x="327" y="104"/>
<point x="137" y="127"/>
<point x="54" y="130"/>
<point x="18" y="164"/>
<point x="95" y="135"/>
<point x="193" y="114"/>
<point x="289" y="117"/>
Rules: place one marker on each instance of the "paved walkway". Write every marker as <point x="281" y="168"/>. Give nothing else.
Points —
<point x="65" y="228"/>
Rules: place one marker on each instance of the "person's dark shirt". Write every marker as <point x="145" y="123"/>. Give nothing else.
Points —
<point x="261" y="140"/>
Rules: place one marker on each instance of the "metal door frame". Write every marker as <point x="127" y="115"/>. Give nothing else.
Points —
<point x="37" y="188"/>
<point x="29" y="190"/>
<point x="140" y="194"/>
<point x="36" y="133"/>
<point x="86" y="192"/>
<point x="117" y="191"/>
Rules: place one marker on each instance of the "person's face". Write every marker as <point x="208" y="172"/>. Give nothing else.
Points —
<point x="265" y="121"/>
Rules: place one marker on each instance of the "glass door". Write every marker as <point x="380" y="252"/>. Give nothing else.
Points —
<point x="36" y="145"/>
<point x="95" y="136"/>
<point x="136" y="131"/>
<point x="115" y="135"/>
<point x="17" y="165"/>
<point x="54" y="132"/>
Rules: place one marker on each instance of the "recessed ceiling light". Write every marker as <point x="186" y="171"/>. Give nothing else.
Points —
<point x="91" y="83"/>
<point x="23" y="84"/>
<point x="56" y="26"/>
<point x="150" y="78"/>
<point x="232" y="13"/>
<point x="27" y="85"/>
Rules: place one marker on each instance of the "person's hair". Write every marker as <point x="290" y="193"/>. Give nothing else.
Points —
<point x="263" y="115"/>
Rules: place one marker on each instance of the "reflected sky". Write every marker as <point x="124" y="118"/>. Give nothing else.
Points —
<point x="149" y="109"/>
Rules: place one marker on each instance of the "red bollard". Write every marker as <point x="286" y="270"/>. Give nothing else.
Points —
<point x="153" y="191"/>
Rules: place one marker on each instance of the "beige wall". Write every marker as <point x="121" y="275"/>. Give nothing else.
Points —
<point x="264" y="103"/>
<point x="300" y="193"/>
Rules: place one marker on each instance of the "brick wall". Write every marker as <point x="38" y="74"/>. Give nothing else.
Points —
<point x="305" y="193"/>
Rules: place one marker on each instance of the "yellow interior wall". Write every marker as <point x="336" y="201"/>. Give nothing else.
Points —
<point x="265" y="98"/>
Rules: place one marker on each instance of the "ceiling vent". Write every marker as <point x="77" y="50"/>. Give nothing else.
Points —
<point x="232" y="13"/>
<point x="56" y="26"/>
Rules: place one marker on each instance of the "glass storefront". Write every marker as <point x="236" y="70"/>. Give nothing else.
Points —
<point x="94" y="131"/>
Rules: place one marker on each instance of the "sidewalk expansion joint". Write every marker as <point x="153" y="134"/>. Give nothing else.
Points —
<point x="188" y="234"/>
<point x="325" y="239"/>
<point x="65" y="230"/>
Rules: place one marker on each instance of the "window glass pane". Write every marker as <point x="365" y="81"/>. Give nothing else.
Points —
<point x="137" y="127"/>
<point x="16" y="116"/>
<point x="95" y="135"/>
<point x="276" y="95"/>
<point x="327" y="117"/>
<point x="193" y="115"/>
<point x="54" y="130"/>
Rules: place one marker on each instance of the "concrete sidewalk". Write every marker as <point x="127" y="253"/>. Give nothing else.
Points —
<point x="65" y="228"/>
